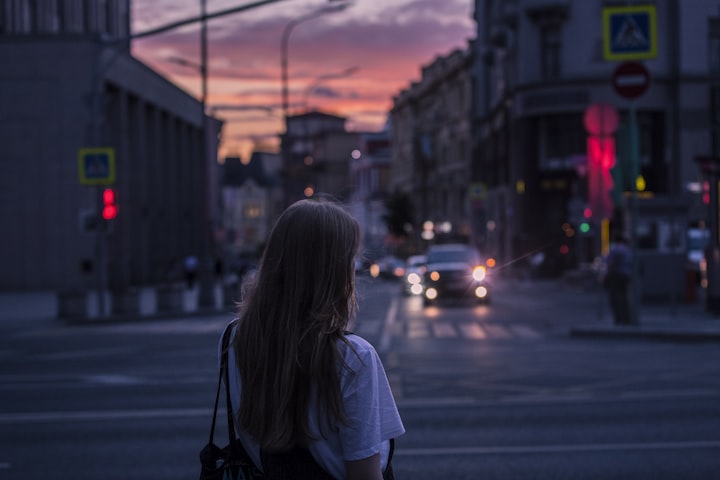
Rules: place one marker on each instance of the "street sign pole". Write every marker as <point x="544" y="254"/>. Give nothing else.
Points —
<point x="629" y="35"/>
<point x="631" y="80"/>
<point x="635" y="163"/>
<point x="712" y="251"/>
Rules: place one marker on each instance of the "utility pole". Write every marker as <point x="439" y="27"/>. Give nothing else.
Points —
<point x="206" y="296"/>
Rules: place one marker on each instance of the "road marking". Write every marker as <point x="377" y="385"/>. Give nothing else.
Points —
<point x="201" y="325"/>
<point x="109" y="379"/>
<point x="437" y="402"/>
<point x="523" y="449"/>
<point x="418" y="330"/>
<point x="497" y="331"/>
<point x="35" y="417"/>
<point x="524" y="331"/>
<point x="473" y="330"/>
<point x="444" y="330"/>
<point x="387" y="332"/>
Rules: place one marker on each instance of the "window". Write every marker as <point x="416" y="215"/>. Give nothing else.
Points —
<point x="252" y="210"/>
<point x="550" y="52"/>
<point x="549" y="20"/>
<point x="714" y="46"/>
<point x="561" y="139"/>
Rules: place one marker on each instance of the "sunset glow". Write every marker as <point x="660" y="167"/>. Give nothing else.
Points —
<point x="383" y="46"/>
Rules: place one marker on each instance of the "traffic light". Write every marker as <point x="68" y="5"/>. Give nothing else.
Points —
<point x="110" y="208"/>
<point x="601" y="159"/>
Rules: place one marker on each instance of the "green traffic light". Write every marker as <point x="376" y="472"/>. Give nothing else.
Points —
<point x="584" y="227"/>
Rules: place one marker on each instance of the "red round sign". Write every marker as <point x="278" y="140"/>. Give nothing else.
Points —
<point x="631" y="79"/>
<point x="601" y="119"/>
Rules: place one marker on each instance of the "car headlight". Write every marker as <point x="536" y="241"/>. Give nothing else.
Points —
<point x="479" y="273"/>
<point x="414" y="278"/>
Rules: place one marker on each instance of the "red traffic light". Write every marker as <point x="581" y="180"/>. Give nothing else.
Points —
<point x="110" y="209"/>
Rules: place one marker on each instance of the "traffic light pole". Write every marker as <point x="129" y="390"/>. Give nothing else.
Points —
<point x="712" y="251"/>
<point x="100" y="252"/>
<point x="635" y="162"/>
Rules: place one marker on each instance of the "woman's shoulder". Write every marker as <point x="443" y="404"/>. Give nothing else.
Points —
<point x="358" y="342"/>
<point x="355" y="347"/>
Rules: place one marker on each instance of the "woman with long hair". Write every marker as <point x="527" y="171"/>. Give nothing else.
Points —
<point x="298" y="379"/>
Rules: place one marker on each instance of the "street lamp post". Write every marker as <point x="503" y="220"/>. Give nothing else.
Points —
<point x="206" y="295"/>
<point x="285" y="40"/>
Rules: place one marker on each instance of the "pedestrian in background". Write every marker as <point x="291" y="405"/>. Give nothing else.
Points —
<point x="190" y="267"/>
<point x="618" y="276"/>
<point x="299" y="382"/>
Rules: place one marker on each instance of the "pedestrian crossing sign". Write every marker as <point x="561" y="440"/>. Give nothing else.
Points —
<point x="96" y="166"/>
<point x="629" y="33"/>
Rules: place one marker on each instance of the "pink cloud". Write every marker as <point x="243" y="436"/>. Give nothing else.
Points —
<point x="388" y="43"/>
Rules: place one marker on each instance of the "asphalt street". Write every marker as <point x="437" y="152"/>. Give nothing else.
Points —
<point x="502" y="391"/>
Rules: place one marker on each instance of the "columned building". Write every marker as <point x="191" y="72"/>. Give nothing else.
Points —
<point x="68" y="82"/>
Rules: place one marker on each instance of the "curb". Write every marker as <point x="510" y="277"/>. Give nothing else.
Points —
<point x="648" y="332"/>
<point x="127" y="318"/>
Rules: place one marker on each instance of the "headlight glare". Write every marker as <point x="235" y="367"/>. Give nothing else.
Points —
<point x="479" y="273"/>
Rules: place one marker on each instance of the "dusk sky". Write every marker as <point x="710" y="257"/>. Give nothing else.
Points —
<point x="385" y="43"/>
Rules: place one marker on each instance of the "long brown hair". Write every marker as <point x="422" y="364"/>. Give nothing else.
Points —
<point x="298" y="307"/>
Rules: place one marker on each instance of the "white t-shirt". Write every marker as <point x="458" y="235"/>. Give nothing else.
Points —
<point x="372" y="415"/>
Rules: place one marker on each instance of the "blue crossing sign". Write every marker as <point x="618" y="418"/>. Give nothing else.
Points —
<point x="96" y="166"/>
<point x="630" y="32"/>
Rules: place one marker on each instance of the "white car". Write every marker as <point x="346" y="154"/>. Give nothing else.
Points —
<point x="454" y="271"/>
<point x="414" y="271"/>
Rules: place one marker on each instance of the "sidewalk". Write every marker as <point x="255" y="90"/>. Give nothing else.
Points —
<point x="674" y="320"/>
<point x="40" y="308"/>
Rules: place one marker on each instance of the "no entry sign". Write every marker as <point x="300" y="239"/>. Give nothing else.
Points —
<point x="631" y="79"/>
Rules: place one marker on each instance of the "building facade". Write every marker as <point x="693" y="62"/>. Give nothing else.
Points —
<point x="432" y="146"/>
<point x="370" y="172"/>
<point x="316" y="151"/>
<point x="68" y="82"/>
<point x="539" y="66"/>
<point x="252" y="201"/>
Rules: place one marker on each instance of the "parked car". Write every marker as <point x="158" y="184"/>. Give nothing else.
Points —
<point x="388" y="267"/>
<point x="454" y="271"/>
<point x="414" y="271"/>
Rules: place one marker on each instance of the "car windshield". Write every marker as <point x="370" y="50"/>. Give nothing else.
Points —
<point x="451" y="256"/>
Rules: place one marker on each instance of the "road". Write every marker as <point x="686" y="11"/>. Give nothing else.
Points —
<point x="492" y="392"/>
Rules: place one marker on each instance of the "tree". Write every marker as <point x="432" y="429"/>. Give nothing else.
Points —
<point x="399" y="214"/>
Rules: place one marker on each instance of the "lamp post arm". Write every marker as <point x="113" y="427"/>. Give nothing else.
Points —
<point x="285" y="40"/>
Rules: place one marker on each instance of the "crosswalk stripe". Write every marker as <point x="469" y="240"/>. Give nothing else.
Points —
<point x="418" y="330"/>
<point x="497" y="331"/>
<point x="444" y="330"/>
<point x="473" y="330"/>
